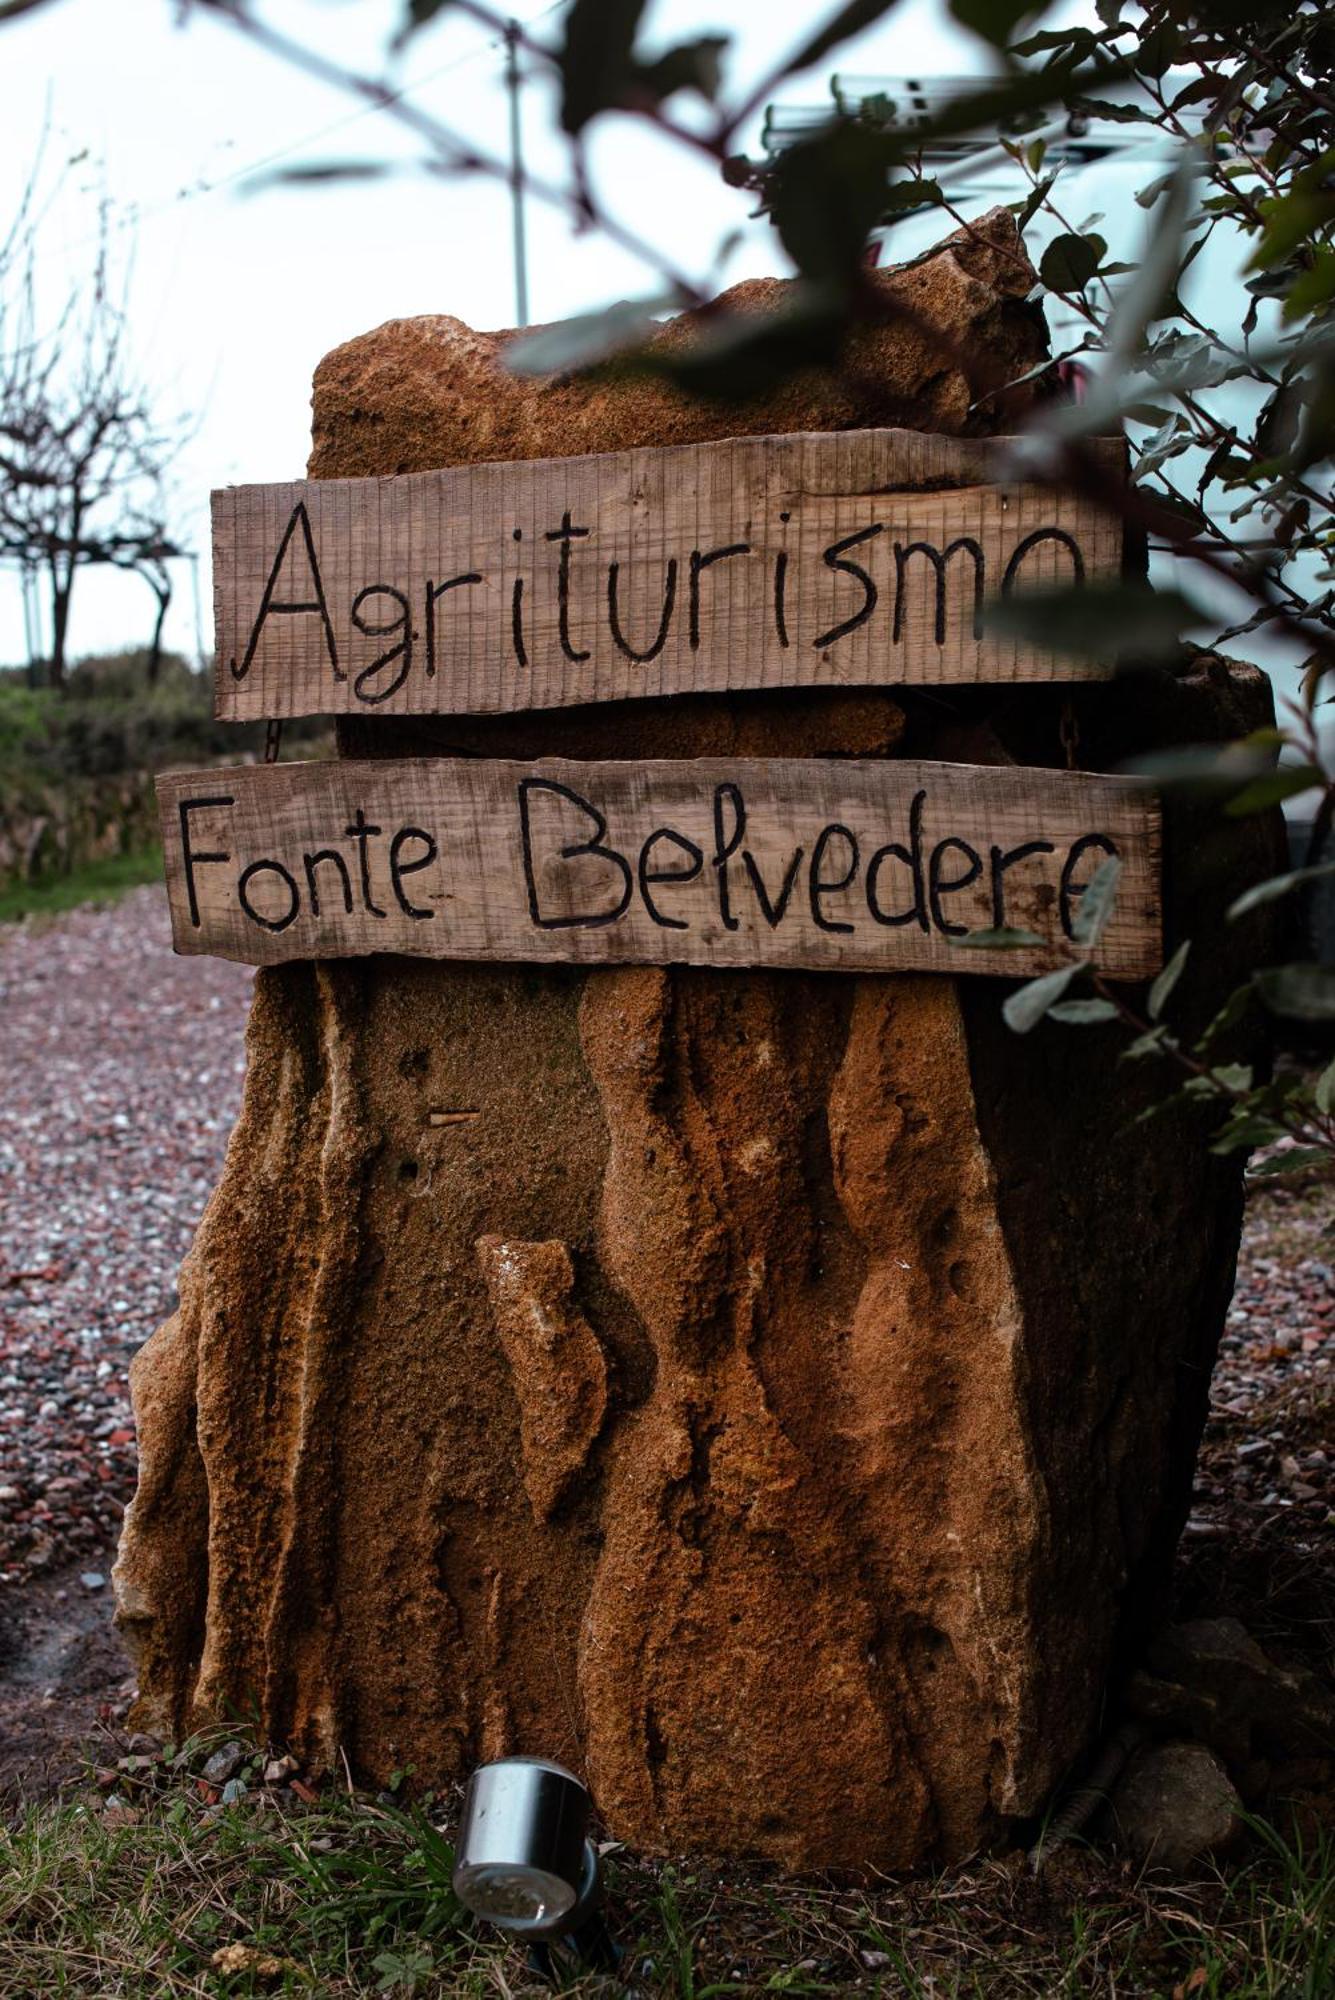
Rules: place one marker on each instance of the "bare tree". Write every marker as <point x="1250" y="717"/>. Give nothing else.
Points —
<point x="82" y="457"/>
<point x="143" y="544"/>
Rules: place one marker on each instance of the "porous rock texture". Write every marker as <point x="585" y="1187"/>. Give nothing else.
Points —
<point x="778" y="1397"/>
<point x="421" y="393"/>
<point x="1174" y="1805"/>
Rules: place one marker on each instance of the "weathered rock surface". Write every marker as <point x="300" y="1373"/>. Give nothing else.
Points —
<point x="560" y="1375"/>
<point x="1175" y="1805"/>
<point x="778" y="1397"/>
<point x="421" y="393"/>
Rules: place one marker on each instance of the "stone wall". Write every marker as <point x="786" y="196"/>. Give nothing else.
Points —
<point x="51" y="829"/>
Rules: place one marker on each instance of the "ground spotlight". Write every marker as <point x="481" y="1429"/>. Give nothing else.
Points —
<point x="524" y="1860"/>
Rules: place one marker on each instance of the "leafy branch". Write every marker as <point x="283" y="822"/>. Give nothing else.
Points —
<point x="1258" y="1112"/>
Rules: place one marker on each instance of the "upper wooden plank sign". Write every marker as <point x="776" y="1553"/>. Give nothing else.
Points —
<point x="859" y="558"/>
<point x="880" y="865"/>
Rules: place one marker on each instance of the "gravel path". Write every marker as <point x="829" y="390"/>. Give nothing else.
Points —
<point x="1277" y="1351"/>
<point x="121" y="1079"/>
<point x="1260" y="1543"/>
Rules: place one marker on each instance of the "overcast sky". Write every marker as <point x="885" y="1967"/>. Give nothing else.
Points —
<point x="237" y="295"/>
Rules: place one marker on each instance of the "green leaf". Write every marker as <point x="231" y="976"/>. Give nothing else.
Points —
<point x="1094" y="621"/>
<point x="588" y="338"/>
<point x="1202" y="767"/>
<point x="1219" y="1082"/>
<point x="1162" y="988"/>
<point x="1299" y="992"/>
<point x="1292" y="220"/>
<point x="1151" y="1044"/>
<point x="1277" y="886"/>
<point x="1243" y="1132"/>
<point x="826" y="195"/>
<point x="1038" y="194"/>
<point x="1096" y="904"/>
<point x="1169" y="441"/>
<point x="1295" y="1160"/>
<point x="1171" y="1102"/>
<point x="1075" y="41"/>
<point x="1201" y="90"/>
<point x="1147" y="196"/>
<point x="1070" y="261"/>
<point x="1158" y="49"/>
<point x="1145" y="298"/>
<point x="1116" y="114"/>
<point x="1024" y="1009"/>
<point x="1233" y="1076"/>
<point x="1234" y="1008"/>
<point x="696" y="66"/>
<point x="1083" y="1013"/>
<point x="1312" y="288"/>
<point x="1003" y="939"/>
<point x="995" y="20"/>
<point x="595" y="59"/>
<point x="1286" y="783"/>
<point x="911" y="195"/>
<point x="1324" y="1092"/>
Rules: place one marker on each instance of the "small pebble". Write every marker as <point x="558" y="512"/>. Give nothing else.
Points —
<point x="225" y="1763"/>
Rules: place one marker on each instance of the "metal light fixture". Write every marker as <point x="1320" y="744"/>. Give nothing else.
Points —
<point x="525" y="1862"/>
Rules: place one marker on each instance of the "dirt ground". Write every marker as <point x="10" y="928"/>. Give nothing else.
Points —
<point x="64" y="1679"/>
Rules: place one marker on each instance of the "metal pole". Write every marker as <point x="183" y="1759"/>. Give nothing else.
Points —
<point x="192" y="557"/>
<point x="32" y="628"/>
<point x="513" y="82"/>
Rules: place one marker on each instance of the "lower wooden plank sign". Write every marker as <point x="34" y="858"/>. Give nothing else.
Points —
<point x="875" y="866"/>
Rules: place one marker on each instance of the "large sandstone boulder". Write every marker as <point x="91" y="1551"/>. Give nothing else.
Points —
<point x="421" y="393"/>
<point x="777" y="1395"/>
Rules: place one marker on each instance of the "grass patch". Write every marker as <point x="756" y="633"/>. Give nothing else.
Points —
<point x="95" y="882"/>
<point x="351" y="1897"/>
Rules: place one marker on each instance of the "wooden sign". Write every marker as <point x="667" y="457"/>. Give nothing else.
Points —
<point x="823" y="560"/>
<point x="876" y="865"/>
